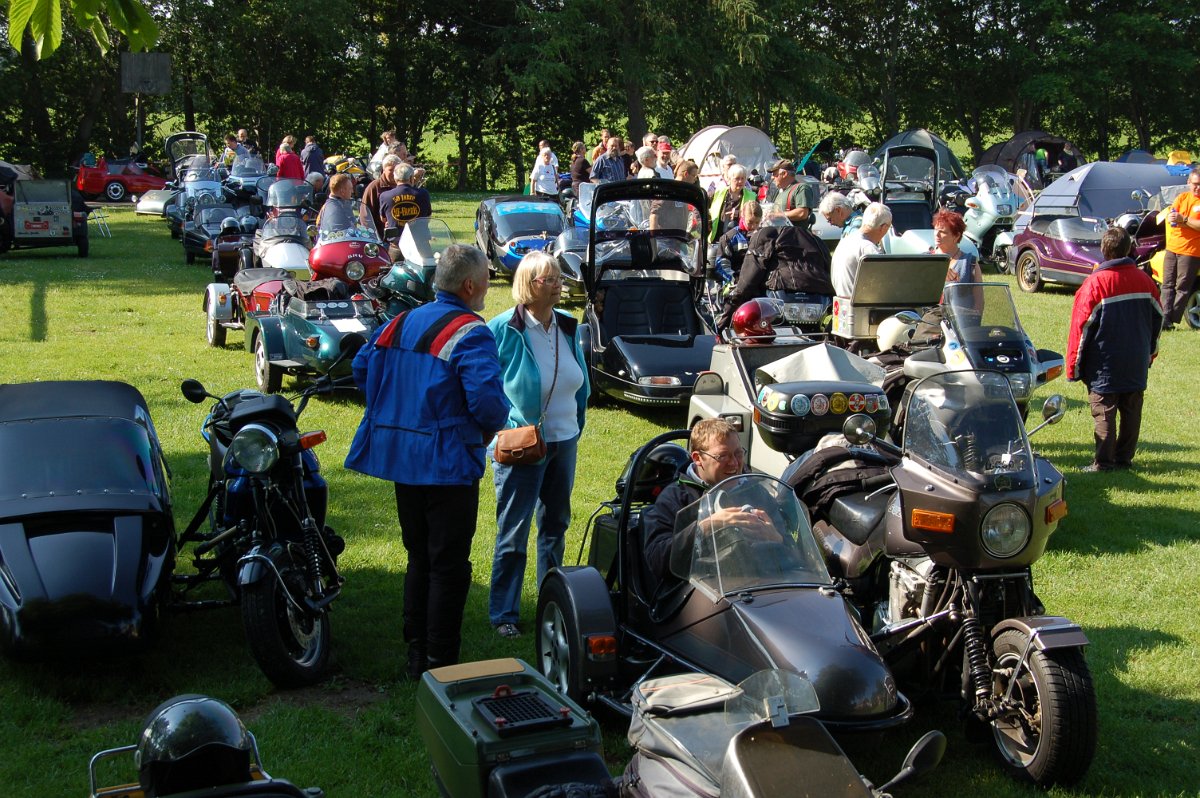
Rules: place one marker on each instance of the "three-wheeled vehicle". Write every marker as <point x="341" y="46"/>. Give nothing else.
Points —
<point x="41" y="213"/>
<point x="735" y="602"/>
<point x="87" y="537"/>
<point x="206" y="225"/>
<point x="507" y="227"/>
<point x="283" y="240"/>
<point x="642" y="332"/>
<point x="244" y="175"/>
<point x="195" y="180"/>
<point x="409" y="281"/>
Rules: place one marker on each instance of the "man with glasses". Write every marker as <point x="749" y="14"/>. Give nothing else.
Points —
<point x="840" y="212"/>
<point x="717" y="454"/>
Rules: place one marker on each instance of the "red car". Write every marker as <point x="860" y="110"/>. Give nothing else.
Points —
<point x="117" y="179"/>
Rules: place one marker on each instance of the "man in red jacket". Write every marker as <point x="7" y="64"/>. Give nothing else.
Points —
<point x="1115" y="324"/>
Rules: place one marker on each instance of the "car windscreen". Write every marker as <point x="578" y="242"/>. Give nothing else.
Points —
<point x="1077" y="230"/>
<point x="528" y="219"/>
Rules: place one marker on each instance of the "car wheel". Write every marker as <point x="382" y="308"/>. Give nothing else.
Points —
<point x="82" y="246"/>
<point x="1191" y="311"/>
<point x="574" y="612"/>
<point x="214" y="331"/>
<point x="268" y="378"/>
<point x="115" y="191"/>
<point x="1029" y="272"/>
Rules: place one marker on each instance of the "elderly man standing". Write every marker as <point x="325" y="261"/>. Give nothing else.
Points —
<point x="610" y="166"/>
<point x="400" y="205"/>
<point x="839" y="211"/>
<point x="1115" y="324"/>
<point x="793" y="198"/>
<point x="369" y="215"/>
<point x="434" y="398"/>
<point x="855" y="246"/>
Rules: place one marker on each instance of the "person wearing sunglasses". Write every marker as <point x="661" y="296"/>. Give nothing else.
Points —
<point x="716" y="454"/>
<point x="545" y="380"/>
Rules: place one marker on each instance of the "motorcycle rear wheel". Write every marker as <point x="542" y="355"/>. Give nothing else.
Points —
<point x="1054" y="740"/>
<point x="290" y="646"/>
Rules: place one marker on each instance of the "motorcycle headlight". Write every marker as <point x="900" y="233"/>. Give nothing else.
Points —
<point x="355" y="270"/>
<point x="1004" y="210"/>
<point x="371" y="250"/>
<point x="1005" y="530"/>
<point x="1021" y="385"/>
<point x="255" y="448"/>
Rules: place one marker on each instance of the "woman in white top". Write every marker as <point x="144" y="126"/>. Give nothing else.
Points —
<point x="544" y="177"/>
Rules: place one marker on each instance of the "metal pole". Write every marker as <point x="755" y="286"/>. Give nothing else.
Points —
<point x="137" y="112"/>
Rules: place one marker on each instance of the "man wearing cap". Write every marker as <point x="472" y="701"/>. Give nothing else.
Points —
<point x="792" y="197"/>
<point x="663" y="166"/>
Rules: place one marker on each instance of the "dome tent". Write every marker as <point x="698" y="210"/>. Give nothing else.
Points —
<point x="1018" y="153"/>
<point x="949" y="165"/>
<point x="708" y="146"/>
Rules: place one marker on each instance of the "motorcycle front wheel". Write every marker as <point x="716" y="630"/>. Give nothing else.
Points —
<point x="1051" y="739"/>
<point x="290" y="646"/>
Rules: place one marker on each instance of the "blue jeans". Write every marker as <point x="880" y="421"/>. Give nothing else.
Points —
<point x="523" y="491"/>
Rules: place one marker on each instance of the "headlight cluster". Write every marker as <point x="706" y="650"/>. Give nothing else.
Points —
<point x="1021" y="385"/>
<point x="355" y="270"/>
<point x="371" y="251"/>
<point x="1005" y="530"/>
<point x="255" y="448"/>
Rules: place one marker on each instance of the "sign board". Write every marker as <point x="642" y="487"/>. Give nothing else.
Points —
<point x="145" y="73"/>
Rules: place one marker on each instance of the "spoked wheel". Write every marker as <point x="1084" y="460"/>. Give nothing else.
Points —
<point x="214" y="331"/>
<point x="1191" y="311"/>
<point x="1051" y="737"/>
<point x="559" y="648"/>
<point x="289" y="644"/>
<point x="268" y="378"/>
<point x="1029" y="272"/>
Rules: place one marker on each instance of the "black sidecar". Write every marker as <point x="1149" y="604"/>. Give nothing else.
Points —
<point x="87" y="538"/>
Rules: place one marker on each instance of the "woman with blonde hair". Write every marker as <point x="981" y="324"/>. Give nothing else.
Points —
<point x="545" y="380"/>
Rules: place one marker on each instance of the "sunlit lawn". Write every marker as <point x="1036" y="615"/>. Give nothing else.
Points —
<point x="1123" y="563"/>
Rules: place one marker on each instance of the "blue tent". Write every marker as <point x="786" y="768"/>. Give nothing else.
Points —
<point x="1102" y="190"/>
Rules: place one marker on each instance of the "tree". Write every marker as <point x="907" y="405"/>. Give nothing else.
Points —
<point x="42" y="20"/>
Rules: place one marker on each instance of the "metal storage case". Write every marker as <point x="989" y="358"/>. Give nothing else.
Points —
<point x="498" y="728"/>
<point x="886" y="285"/>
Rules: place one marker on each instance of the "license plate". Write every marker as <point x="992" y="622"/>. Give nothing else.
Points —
<point x="37" y="224"/>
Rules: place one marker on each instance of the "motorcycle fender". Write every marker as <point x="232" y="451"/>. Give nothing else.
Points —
<point x="1004" y="239"/>
<point x="252" y="569"/>
<point x="1046" y="631"/>
<point x="271" y="330"/>
<point x="218" y="301"/>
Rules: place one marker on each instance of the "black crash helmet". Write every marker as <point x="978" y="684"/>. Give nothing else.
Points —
<point x="662" y="465"/>
<point x="192" y="742"/>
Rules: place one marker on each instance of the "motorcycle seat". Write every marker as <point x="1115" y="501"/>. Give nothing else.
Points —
<point x="856" y="517"/>
<point x="247" y="280"/>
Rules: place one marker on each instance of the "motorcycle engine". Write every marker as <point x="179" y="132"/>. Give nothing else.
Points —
<point x="908" y="583"/>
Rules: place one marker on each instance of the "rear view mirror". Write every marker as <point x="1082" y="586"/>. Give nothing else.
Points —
<point x="1053" y="410"/>
<point x="193" y="391"/>
<point x="859" y="429"/>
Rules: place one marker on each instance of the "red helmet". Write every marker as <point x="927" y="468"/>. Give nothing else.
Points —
<point x="753" y="321"/>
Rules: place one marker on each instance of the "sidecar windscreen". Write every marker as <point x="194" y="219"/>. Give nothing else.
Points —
<point x="288" y="193"/>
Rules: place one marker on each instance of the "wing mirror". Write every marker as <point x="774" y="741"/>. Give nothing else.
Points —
<point x="859" y="429"/>
<point x="1053" y="410"/>
<point x="921" y="759"/>
<point x="193" y="391"/>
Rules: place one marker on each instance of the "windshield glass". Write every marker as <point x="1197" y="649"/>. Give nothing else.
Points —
<point x="1078" y="230"/>
<point x="201" y="174"/>
<point x="656" y="235"/>
<point x="981" y="312"/>
<point x="338" y="221"/>
<point x="991" y="178"/>
<point x="527" y="219"/>
<point x="967" y="424"/>
<point x="909" y="169"/>
<point x="285" y="226"/>
<point x="248" y="165"/>
<point x="289" y="193"/>
<point x="215" y="215"/>
<point x="424" y="240"/>
<point x="749" y="533"/>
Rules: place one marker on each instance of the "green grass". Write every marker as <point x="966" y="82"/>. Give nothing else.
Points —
<point x="1122" y="563"/>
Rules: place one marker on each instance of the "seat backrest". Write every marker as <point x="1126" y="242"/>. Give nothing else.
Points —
<point x="648" y="307"/>
<point x="910" y="216"/>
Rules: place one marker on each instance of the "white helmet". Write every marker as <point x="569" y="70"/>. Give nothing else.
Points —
<point x="896" y="330"/>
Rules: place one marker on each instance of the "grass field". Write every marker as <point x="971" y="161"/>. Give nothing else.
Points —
<point x="1123" y="563"/>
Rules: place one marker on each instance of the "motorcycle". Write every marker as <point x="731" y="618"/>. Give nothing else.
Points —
<point x="266" y="538"/>
<point x="989" y="202"/>
<point x="283" y="240"/>
<point x="935" y="541"/>
<point x="409" y="283"/>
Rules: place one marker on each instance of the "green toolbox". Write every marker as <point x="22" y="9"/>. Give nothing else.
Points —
<point x="498" y="729"/>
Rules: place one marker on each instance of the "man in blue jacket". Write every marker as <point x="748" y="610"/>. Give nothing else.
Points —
<point x="1115" y="323"/>
<point x="434" y="399"/>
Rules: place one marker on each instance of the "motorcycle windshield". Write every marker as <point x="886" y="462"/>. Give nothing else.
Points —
<point x="981" y="313"/>
<point x="339" y="222"/>
<point x="289" y="193"/>
<point x="748" y="533"/>
<point x="967" y="424"/>
<point x="248" y="166"/>
<point x="989" y="178"/>
<point x="286" y="227"/>
<point x="424" y="240"/>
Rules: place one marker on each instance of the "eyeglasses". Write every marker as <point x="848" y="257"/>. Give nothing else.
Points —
<point x="549" y="280"/>
<point x="736" y="456"/>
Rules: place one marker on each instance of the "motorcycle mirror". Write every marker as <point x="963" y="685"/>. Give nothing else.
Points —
<point x="193" y="391"/>
<point x="1052" y="409"/>
<point x="921" y="759"/>
<point x="859" y="429"/>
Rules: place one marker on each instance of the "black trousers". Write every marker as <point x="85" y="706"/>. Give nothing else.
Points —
<point x="1118" y="420"/>
<point x="1178" y="278"/>
<point x="437" y="523"/>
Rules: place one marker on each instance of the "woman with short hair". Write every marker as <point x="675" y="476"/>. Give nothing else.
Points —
<point x="545" y="380"/>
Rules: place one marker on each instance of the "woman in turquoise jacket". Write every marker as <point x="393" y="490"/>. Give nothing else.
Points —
<point x="545" y="379"/>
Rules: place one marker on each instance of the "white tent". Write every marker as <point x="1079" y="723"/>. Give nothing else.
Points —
<point x="24" y="171"/>
<point x="707" y="147"/>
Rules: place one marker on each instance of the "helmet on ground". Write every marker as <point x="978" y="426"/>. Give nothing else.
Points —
<point x="754" y="321"/>
<point x="658" y="468"/>
<point x="192" y="742"/>
<point x="896" y="330"/>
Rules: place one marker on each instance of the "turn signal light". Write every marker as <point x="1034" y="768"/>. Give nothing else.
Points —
<point x="312" y="342"/>
<point x="1056" y="511"/>
<point x="601" y="647"/>
<point x="1053" y="373"/>
<point x="311" y="439"/>
<point x="933" y="522"/>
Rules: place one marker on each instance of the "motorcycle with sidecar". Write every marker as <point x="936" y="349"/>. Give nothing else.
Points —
<point x="88" y="538"/>
<point x="283" y="239"/>
<point x="935" y="540"/>
<point x="409" y="282"/>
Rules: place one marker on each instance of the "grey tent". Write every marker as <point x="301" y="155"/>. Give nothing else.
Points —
<point x="1139" y="156"/>
<point x="950" y="167"/>
<point x="1018" y="153"/>
<point x="1102" y="190"/>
